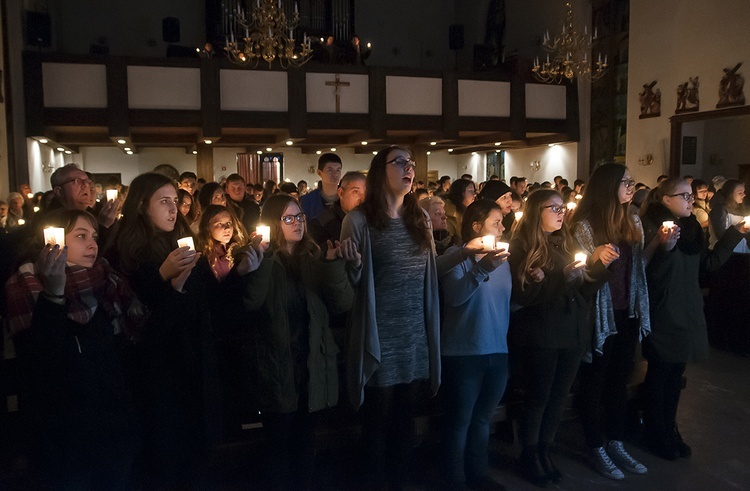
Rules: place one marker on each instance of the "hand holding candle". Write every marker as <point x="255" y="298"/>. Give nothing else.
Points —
<point x="111" y="194"/>
<point x="572" y="206"/>
<point x="186" y="241"/>
<point x="581" y="258"/>
<point x="668" y="224"/>
<point x="502" y="246"/>
<point x="489" y="242"/>
<point x="265" y="232"/>
<point x="54" y="236"/>
<point x="518" y="215"/>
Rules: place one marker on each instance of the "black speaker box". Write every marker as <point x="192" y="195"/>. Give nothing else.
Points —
<point x="38" y="29"/>
<point x="170" y="29"/>
<point x="456" y="36"/>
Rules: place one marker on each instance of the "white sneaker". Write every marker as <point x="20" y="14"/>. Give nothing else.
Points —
<point x="603" y="464"/>
<point x="621" y="457"/>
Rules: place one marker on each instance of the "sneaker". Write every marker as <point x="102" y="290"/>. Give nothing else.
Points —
<point x="621" y="457"/>
<point x="603" y="464"/>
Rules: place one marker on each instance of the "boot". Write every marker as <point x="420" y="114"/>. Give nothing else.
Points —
<point x="549" y="467"/>
<point x="532" y="469"/>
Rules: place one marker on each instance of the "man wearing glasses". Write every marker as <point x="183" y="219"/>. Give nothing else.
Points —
<point x="323" y="197"/>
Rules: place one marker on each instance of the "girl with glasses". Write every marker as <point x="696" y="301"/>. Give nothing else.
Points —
<point x="551" y="330"/>
<point x="394" y="348"/>
<point x="727" y="210"/>
<point x="188" y="206"/>
<point x="679" y="259"/>
<point x="620" y="317"/>
<point x="291" y="291"/>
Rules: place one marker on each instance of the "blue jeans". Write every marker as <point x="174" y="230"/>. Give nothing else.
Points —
<point x="473" y="387"/>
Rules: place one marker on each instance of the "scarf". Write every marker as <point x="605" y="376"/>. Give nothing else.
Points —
<point x="86" y="289"/>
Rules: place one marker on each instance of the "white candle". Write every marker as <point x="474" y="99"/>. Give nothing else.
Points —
<point x="36" y="209"/>
<point x="668" y="224"/>
<point x="489" y="242"/>
<point x="111" y="194"/>
<point x="572" y="206"/>
<point x="579" y="196"/>
<point x="369" y="45"/>
<point x="518" y="215"/>
<point x="746" y="220"/>
<point x="21" y="221"/>
<point x="186" y="241"/>
<point x="581" y="258"/>
<point x="54" y="236"/>
<point x="30" y="195"/>
<point x="502" y="245"/>
<point x="264" y="231"/>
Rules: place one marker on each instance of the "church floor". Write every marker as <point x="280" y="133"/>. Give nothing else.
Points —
<point x="714" y="418"/>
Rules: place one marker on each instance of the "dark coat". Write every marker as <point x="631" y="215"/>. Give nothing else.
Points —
<point x="678" y="325"/>
<point x="554" y="313"/>
<point x="327" y="288"/>
<point x="327" y="225"/>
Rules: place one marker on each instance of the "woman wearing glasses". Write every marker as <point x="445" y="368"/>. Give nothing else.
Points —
<point x="292" y="292"/>
<point x="551" y="329"/>
<point x="678" y="323"/>
<point x="394" y="342"/>
<point x="621" y="315"/>
<point x="727" y="210"/>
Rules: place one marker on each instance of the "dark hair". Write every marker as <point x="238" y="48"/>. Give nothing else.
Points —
<point x="288" y="188"/>
<point x="136" y="240"/>
<point x="188" y="175"/>
<point x="478" y="211"/>
<point x="726" y="192"/>
<point x="697" y="184"/>
<point x="235" y="177"/>
<point x="610" y="220"/>
<point x="194" y="206"/>
<point x="258" y="187"/>
<point x="326" y="158"/>
<point x="456" y="193"/>
<point x="375" y="205"/>
<point x="271" y="215"/>
<point x="655" y="196"/>
<point x="269" y="189"/>
<point x="207" y="192"/>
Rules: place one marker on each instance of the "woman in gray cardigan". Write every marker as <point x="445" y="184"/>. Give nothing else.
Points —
<point x="394" y="349"/>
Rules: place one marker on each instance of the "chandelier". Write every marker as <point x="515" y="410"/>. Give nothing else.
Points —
<point x="568" y="54"/>
<point x="264" y="34"/>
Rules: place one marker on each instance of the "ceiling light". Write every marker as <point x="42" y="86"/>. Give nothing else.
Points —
<point x="195" y="152"/>
<point x="60" y="149"/>
<point x="68" y="152"/>
<point x="121" y="141"/>
<point x="433" y="143"/>
<point x="497" y="144"/>
<point x="42" y="140"/>
<point x="473" y="153"/>
<point x="333" y="149"/>
<point x="551" y="145"/>
<point x="259" y="152"/>
<point x="207" y="142"/>
<point x="126" y="148"/>
<point x="374" y="152"/>
<point x="318" y="152"/>
<point x="129" y="152"/>
<point x="364" y="143"/>
<point x="269" y="149"/>
<point x="428" y="153"/>
<point x="289" y="142"/>
<point x="450" y="150"/>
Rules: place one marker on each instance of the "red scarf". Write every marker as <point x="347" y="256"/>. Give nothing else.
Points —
<point x="86" y="289"/>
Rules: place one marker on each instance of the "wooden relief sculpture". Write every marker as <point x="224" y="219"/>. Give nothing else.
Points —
<point x="650" y="101"/>
<point x="730" y="88"/>
<point x="687" y="96"/>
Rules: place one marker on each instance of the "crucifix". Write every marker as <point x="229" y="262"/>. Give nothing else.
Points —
<point x="338" y="83"/>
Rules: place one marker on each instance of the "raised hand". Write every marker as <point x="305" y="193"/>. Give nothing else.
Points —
<point x="668" y="237"/>
<point x="176" y="262"/>
<point x="250" y="259"/>
<point x="179" y="281"/>
<point x="50" y="266"/>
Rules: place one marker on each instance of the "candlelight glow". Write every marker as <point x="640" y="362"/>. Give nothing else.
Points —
<point x="581" y="258"/>
<point x="54" y="236"/>
<point x="186" y="241"/>
<point x="489" y="242"/>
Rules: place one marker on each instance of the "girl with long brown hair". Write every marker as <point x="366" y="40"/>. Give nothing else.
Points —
<point x="219" y="232"/>
<point x="550" y="331"/>
<point x="394" y="342"/>
<point x="620" y="315"/>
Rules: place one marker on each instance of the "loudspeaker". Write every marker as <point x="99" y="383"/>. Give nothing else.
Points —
<point x="38" y="29"/>
<point x="170" y="29"/>
<point x="456" y="36"/>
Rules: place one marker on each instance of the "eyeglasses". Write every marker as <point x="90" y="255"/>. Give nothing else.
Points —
<point x="556" y="208"/>
<point x="404" y="164"/>
<point x="289" y="219"/>
<point x="629" y="183"/>
<point x="686" y="196"/>
<point x="80" y="182"/>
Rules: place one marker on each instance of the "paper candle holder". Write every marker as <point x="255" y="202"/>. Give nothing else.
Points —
<point x="186" y="241"/>
<point x="54" y="236"/>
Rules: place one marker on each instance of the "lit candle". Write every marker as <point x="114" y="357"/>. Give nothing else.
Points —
<point x="518" y="215"/>
<point x="489" y="242"/>
<point x="581" y="258"/>
<point x="746" y="220"/>
<point x="572" y="206"/>
<point x="579" y="196"/>
<point x="111" y="194"/>
<point x="21" y="221"/>
<point x="54" y="236"/>
<point x="186" y="241"/>
<point x="669" y="224"/>
<point x="369" y="45"/>
<point x="29" y="195"/>
<point x="36" y="209"/>
<point x="502" y="245"/>
<point x="264" y="231"/>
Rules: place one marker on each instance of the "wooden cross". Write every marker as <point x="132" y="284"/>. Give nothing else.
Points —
<point x="338" y="83"/>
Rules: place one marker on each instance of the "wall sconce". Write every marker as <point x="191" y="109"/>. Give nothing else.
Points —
<point x="535" y="164"/>
<point x="47" y="167"/>
<point x="311" y="169"/>
<point x="647" y="159"/>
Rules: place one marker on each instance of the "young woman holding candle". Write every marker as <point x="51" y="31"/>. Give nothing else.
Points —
<point x="551" y="330"/>
<point x="292" y="291"/>
<point x="68" y="311"/>
<point x="394" y="341"/>
<point x="726" y="211"/>
<point x="678" y="323"/>
<point x="473" y="346"/>
<point x="219" y="232"/>
<point x="620" y="315"/>
<point x="175" y="377"/>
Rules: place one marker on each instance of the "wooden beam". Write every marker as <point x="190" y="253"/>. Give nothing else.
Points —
<point x="205" y="163"/>
<point x="450" y="105"/>
<point x="377" y="103"/>
<point x="297" y="102"/>
<point x="117" y="98"/>
<point x="571" y="113"/>
<point x="517" y="108"/>
<point x="210" y="98"/>
<point x="419" y="154"/>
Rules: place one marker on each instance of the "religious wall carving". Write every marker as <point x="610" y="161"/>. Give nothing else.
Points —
<point x="731" y="87"/>
<point x="650" y="101"/>
<point x="687" y="96"/>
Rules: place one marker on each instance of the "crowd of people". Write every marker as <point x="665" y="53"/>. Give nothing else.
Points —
<point x="172" y="310"/>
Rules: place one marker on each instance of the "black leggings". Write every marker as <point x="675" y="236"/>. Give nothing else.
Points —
<point x="604" y="384"/>
<point x="663" y="386"/>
